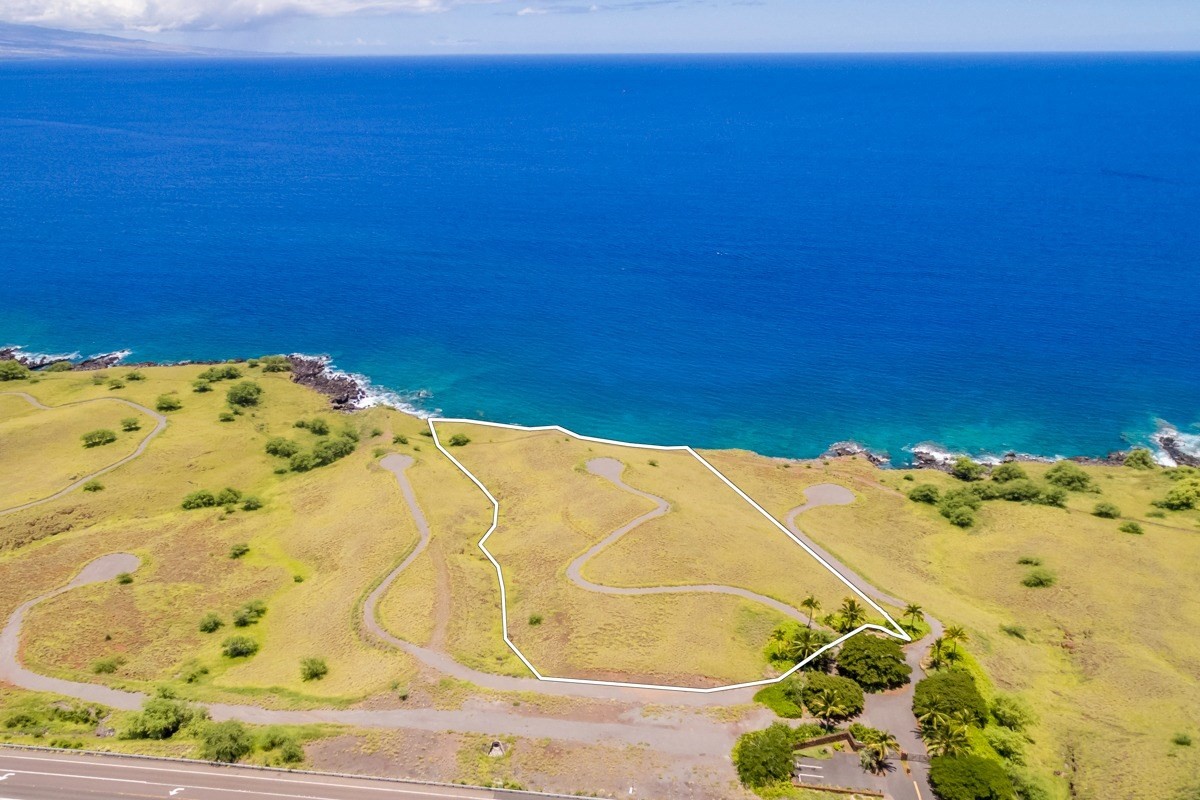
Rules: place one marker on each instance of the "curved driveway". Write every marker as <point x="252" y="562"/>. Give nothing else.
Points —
<point x="159" y="426"/>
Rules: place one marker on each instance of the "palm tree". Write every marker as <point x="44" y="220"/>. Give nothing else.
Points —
<point x="805" y="642"/>
<point x="912" y="611"/>
<point x="937" y="653"/>
<point x="874" y="756"/>
<point x="812" y="605"/>
<point x="853" y="614"/>
<point x="945" y="737"/>
<point x="956" y="634"/>
<point x="825" y="706"/>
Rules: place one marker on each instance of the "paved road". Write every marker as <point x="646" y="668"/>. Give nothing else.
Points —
<point x="891" y="711"/>
<point x="611" y="469"/>
<point x="160" y="425"/>
<point x="30" y="775"/>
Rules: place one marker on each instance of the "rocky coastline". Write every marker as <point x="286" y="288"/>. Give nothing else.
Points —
<point x="347" y="392"/>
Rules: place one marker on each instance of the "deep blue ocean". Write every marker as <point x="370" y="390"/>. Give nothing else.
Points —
<point x="774" y="253"/>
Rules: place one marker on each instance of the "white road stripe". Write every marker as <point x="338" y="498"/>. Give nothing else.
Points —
<point x="238" y="776"/>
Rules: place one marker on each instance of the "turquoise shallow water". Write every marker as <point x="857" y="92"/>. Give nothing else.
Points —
<point x="773" y="253"/>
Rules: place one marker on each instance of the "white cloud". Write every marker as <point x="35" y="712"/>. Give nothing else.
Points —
<point x="160" y="15"/>
<point x="529" y="11"/>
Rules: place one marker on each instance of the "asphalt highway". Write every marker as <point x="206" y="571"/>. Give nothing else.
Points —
<point x="31" y="775"/>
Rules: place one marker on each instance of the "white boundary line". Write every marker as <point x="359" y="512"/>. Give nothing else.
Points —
<point x="897" y="633"/>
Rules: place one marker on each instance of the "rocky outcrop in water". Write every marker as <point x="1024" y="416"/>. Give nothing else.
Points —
<point x="344" y="391"/>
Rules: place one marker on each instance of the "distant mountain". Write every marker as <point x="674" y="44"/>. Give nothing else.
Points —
<point x="31" y="41"/>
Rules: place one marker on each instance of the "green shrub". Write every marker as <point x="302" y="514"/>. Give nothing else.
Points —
<point x="535" y="619"/>
<point x="225" y="416"/>
<point x="874" y="663"/>
<point x="1131" y="527"/>
<point x="244" y="394"/>
<point x="167" y="402"/>
<point x="847" y="693"/>
<point x="210" y="622"/>
<point x="62" y="366"/>
<point x="962" y="516"/>
<point x="1030" y="561"/>
<point x="107" y="666"/>
<point x="239" y="550"/>
<point x="1106" y="510"/>
<point x="1011" y="712"/>
<point x="135" y="376"/>
<point x="98" y="437"/>
<point x="1139" y="458"/>
<point x="459" y="440"/>
<point x="316" y="425"/>
<point x="116" y="383"/>
<point x="21" y="719"/>
<point x="313" y="669"/>
<point x="969" y="777"/>
<point x="1182" y="740"/>
<point x="399" y="438"/>
<point x="239" y="647"/>
<point x="99" y="378"/>
<point x="200" y="387"/>
<point x="1015" y="631"/>
<point x="966" y="470"/>
<point x="327" y="451"/>
<point x="13" y="371"/>
<point x="959" y="505"/>
<point x="1181" y="497"/>
<point x="291" y="752"/>
<point x="273" y="737"/>
<point x="764" y="757"/>
<point x="220" y="372"/>
<point x="250" y="613"/>
<point x="1009" y="471"/>
<point x="251" y="503"/>
<point x="302" y="462"/>
<point x="161" y="718"/>
<point x="275" y="364"/>
<point x="284" y="448"/>
<point x="1069" y="475"/>
<point x="1029" y="785"/>
<point x="1038" y="578"/>
<point x="227" y="496"/>
<point x="1053" y="496"/>
<point x="783" y="698"/>
<point x="93" y="486"/>
<point x="1018" y="490"/>
<point x="131" y="424"/>
<point x="950" y="692"/>
<point x="1009" y="744"/>
<point x="124" y="579"/>
<point x="923" y="493"/>
<point x="199" y="499"/>
<point x="226" y="741"/>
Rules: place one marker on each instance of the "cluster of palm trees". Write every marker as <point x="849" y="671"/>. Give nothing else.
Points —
<point x="943" y="652"/>
<point x="946" y="734"/>
<point x="849" y="615"/>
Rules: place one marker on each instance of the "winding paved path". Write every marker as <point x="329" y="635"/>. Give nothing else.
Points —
<point x="672" y="734"/>
<point x="159" y="426"/>
<point x="611" y="469"/>
<point x="892" y="710"/>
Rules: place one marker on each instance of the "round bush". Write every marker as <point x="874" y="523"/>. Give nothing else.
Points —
<point x="764" y="757"/>
<point x="966" y="470"/>
<point x="98" y="438"/>
<point x="245" y="394"/>
<point x="969" y="777"/>
<point x="874" y="663"/>
<point x="1106" y="510"/>
<point x="166" y="402"/>
<point x="1069" y="476"/>
<point x="239" y="647"/>
<point x="1004" y="473"/>
<point x="948" y="692"/>
<point x="923" y="493"/>
<point x="13" y="371"/>
<point x="313" y="669"/>
<point x="1140" y="458"/>
<point x="225" y="741"/>
<point x="1038" y="578"/>
<point x="846" y="693"/>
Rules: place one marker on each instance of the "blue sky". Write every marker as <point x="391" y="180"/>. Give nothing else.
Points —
<point x="622" y="26"/>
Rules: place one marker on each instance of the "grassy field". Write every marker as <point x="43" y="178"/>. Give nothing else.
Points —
<point x="1107" y="655"/>
<point x="54" y="435"/>
<point x="552" y="510"/>
<point x="319" y="541"/>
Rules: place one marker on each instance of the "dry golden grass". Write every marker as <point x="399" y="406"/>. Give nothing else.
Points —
<point x="339" y="527"/>
<point x="49" y="442"/>
<point x="1110" y="651"/>
<point x="552" y="510"/>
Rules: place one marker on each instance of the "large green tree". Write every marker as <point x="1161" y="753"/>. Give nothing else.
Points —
<point x="874" y="663"/>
